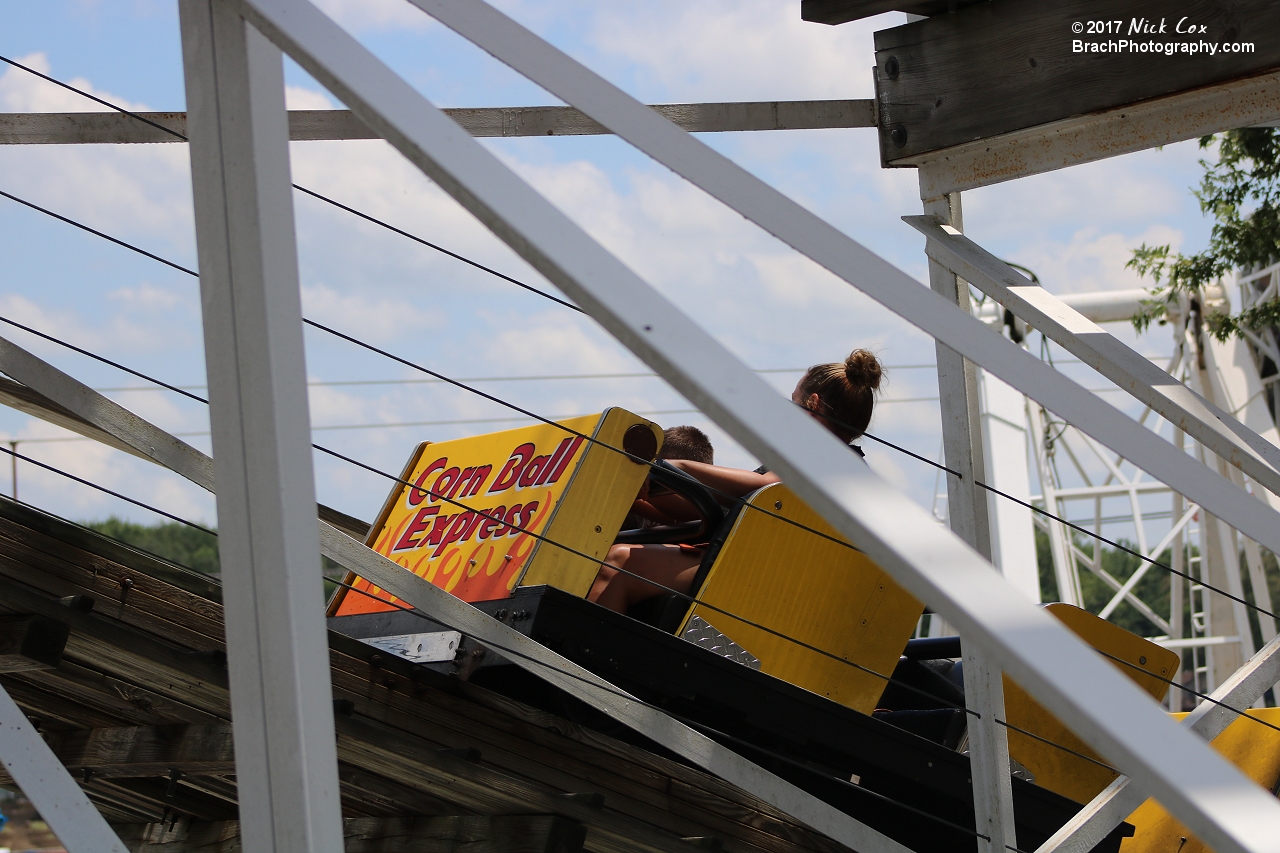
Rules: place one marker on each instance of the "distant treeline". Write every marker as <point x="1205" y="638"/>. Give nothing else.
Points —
<point x="181" y="544"/>
<point x="198" y="550"/>
<point x="177" y="543"/>
<point x="1152" y="589"/>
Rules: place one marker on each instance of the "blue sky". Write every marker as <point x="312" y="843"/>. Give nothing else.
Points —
<point x="1074" y="228"/>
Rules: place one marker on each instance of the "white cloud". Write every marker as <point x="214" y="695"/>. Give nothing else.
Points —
<point x="148" y="297"/>
<point x="719" y="49"/>
<point x="302" y="98"/>
<point x="552" y="343"/>
<point x="21" y="92"/>
<point x="1092" y="260"/>
<point x="369" y="318"/>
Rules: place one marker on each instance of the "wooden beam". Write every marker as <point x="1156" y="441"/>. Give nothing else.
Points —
<point x="136" y="658"/>
<point x="1252" y="102"/>
<point x="1002" y="66"/>
<point x="447" y="834"/>
<point x="318" y="125"/>
<point x="131" y="751"/>
<point x="15" y="395"/>
<point x="31" y="642"/>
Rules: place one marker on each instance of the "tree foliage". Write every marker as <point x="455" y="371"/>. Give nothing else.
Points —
<point x="177" y="543"/>
<point x="1241" y="191"/>
<point x="187" y="546"/>
<point x="1153" y="588"/>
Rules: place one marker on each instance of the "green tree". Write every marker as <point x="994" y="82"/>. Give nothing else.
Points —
<point x="1152" y="589"/>
<point x="188" y="546"/>
<point x="1242" y="193"/>
<point x="177" y="543"/>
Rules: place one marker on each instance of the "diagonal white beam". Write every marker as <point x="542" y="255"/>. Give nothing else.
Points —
<point x="37" y="771"/>
<point x="1169" y="398"/>
<point x="585" y="685"/>
<point x="821" y="242"/>
<point x="1109" y="809"/>
<point x="150" y="442"/>
<point x="1099" y="703"/>
<point x="84" y="408"/>
<point x="130" y="432"/>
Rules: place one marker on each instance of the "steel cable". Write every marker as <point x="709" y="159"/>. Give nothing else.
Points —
<point x="298" y="187"/>
<point x="530" y="414"/>
<point x="442" y="378"/>
<point x="541" y="538"/>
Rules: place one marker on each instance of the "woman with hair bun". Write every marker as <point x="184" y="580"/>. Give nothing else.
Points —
<point x="840" y="396"/>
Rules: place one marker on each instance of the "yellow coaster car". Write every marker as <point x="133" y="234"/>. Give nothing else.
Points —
<point x="782" y="648"/>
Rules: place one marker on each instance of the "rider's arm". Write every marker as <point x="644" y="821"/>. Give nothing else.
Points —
<point x="734" y="482"/>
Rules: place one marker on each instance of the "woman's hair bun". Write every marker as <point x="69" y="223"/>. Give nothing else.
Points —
<point x="863" y="369"/>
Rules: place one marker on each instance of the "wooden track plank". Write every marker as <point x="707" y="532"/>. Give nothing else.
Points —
<point x="520" y="750"/>
<point x="416" y="834"/>
<point x="135" y="665"/>
<point x="131" y="703"/>
<point x="31" y="524"/>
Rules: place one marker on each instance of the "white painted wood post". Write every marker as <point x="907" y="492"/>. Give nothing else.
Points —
<point x="277" y="650"/>
<point x="969" y="517"/>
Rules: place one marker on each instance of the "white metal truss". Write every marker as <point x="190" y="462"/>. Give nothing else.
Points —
<point x="1056" y="443"/>
<point x="1096" y="701"/>
<point x="1083" y="482"/>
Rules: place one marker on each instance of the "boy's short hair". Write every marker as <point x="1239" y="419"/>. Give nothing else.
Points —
<point x="686" y="442"/>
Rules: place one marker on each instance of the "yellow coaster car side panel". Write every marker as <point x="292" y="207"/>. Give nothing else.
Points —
<point x="818" y="590"/>
<point x="501" y="491"/>
<point x="1056" y="769"/>
<point x="590" y="513"/>
<point x="1254" y="748"/>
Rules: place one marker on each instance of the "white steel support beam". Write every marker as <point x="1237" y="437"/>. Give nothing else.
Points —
<point x="958" y="399"/>
<point x="1004" y="441"/>
<point x="1202" y="420"/>
<point x="1109" y="809"/>
<point x="124" y="429"/>
<point x="969" y="518"/>
<point x="1102" y="706"/>
<point x="277" y="654"/>
<point x="1064" y="566"/>
<point x="80" y="827"/>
